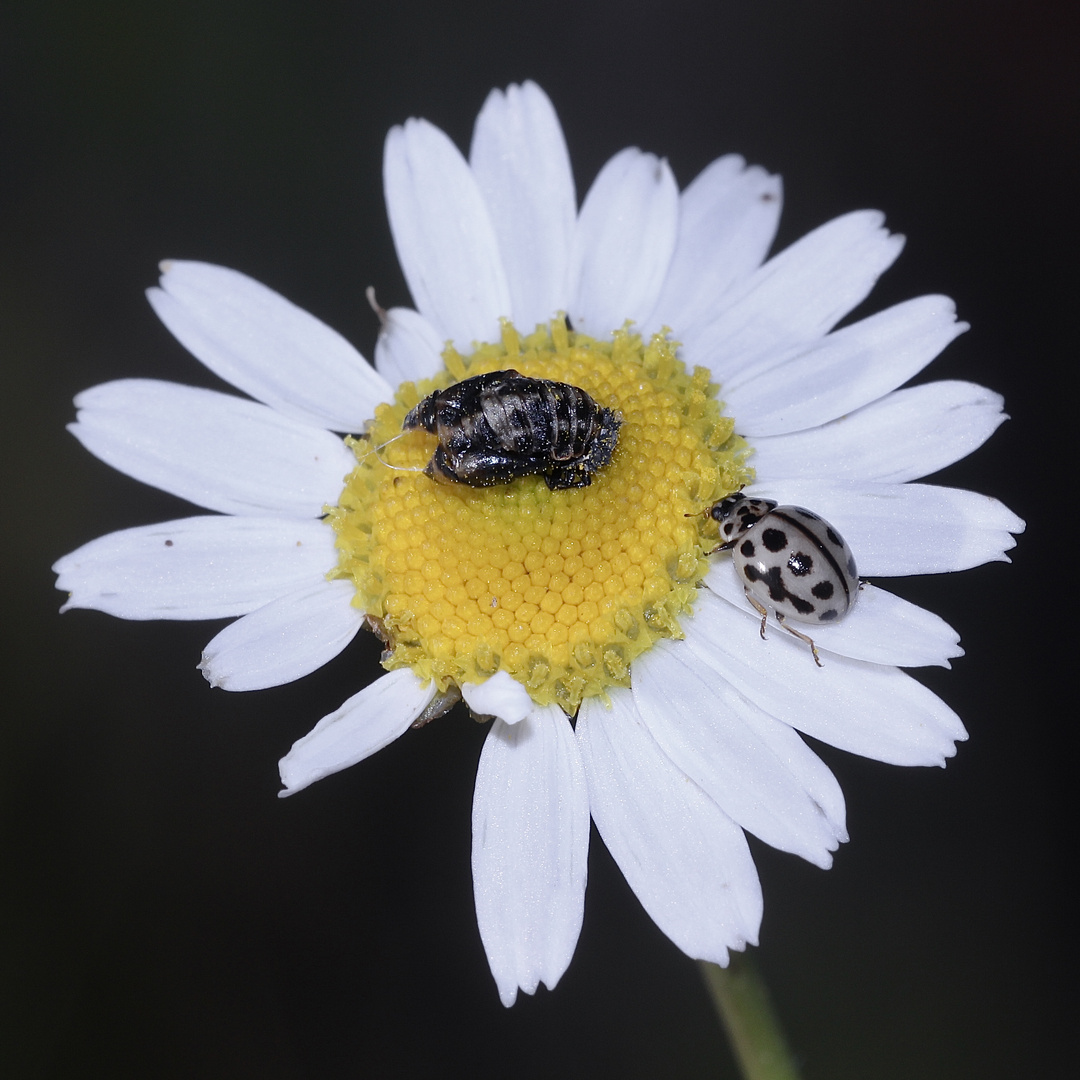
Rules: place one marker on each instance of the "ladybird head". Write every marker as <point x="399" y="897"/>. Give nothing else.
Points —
<point x="738" y="513"/>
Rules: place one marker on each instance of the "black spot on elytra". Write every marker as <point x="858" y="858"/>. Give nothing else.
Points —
<point x="774" y="540"/>
<point x="775" y="582"/>
<point x="829" y="616"/>
<point x="778" y="593"/>
<point x="746" y="549"/>
<point x="823" y="539"/>
<point x="823" y="590"/>
<point x="800" y="564"/>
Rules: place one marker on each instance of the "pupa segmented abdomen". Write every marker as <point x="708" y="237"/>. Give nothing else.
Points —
<point x="496" y="427"/>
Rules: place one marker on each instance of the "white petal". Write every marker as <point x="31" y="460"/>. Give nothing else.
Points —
<point x="624" y="242"/>
<point x="268" y="347"/>
<point x="797" y="296"/>
<point x="845" y="370"/>
<point x="215" y="450"/>
<point x="787" y="744"/>
<point x="868" y="709"/>
<point x="899" y="529"/>
<point x="881" y="627"/>
<point x="686" y="860"/>
<point x="530" y="826"/>
<point x="522" y="167"/>
<point x="727" y="221"/>
<point x="698" y="721"/>
<point x="907" y="434"/>
<point x="407" y="349"/>
<point x="443" y="234"/>
<point x="501" y="695"/>
<point x="367" y="722"/>
<point x="284" y="640"/>
<point x="196" y="568"/>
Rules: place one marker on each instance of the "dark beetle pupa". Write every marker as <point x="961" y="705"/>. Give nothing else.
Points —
<point x="496" y="427"/>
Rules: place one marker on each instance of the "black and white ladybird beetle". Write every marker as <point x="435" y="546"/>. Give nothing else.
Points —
<point x="791" y="561"/>
<point x="496" y="427"/>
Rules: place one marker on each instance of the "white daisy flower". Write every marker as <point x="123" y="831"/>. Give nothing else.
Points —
<point x="619" y="658"/>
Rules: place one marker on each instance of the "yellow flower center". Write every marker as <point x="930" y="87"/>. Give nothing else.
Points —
<point x="561" y="589"/>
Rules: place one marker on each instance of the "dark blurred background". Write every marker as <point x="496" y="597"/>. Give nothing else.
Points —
<point x="163" y="913"/>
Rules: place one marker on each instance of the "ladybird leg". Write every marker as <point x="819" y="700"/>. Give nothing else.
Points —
<point x="802" y="637"/>
<point x="761" y="610"/>
<point x="726" y="546"/>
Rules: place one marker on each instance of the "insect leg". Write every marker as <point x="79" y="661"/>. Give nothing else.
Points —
<point x="761" y="610"/>
<point x="479" y="468"/>
<point x="802" y="637"/>
<point x="575" y="474"/>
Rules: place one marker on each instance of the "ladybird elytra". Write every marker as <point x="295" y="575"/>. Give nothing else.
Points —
<point x="791" y="562"/>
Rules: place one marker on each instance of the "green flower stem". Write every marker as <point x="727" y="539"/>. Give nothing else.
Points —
<point x="741" y="998"/>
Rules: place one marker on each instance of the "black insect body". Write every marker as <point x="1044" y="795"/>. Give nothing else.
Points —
<point x="494" y="428"/>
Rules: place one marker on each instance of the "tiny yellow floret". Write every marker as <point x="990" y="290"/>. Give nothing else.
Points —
<point x="561" y="589"/>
